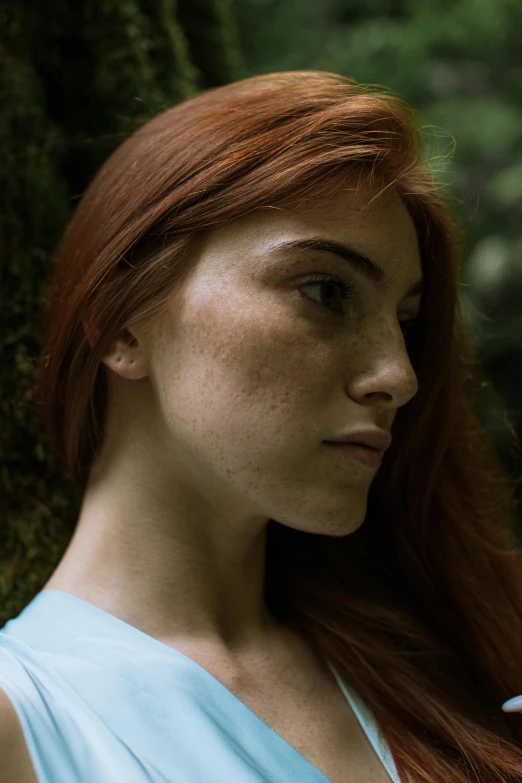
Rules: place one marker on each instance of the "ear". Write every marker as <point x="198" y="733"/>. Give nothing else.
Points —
<point x="126" y="357"/>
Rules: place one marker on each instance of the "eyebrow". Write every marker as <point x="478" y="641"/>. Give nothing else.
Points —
<point x="359" y="262"/>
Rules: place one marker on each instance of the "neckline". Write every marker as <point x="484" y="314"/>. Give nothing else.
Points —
<point x="354" y="702"/>
<point x="152" y="641"/>
<point x="166" y="649"/>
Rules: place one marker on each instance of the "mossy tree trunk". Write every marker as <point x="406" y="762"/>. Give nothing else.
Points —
<point x="76" y="78"/>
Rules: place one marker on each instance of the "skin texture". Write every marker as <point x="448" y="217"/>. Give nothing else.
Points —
<point x="217" y="417"/>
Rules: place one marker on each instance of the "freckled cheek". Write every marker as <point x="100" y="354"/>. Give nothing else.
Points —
<point x="247" y="380"/>
<point x="263" y="369"/>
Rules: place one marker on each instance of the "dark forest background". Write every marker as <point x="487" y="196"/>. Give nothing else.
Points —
<point x="78" y="76"/>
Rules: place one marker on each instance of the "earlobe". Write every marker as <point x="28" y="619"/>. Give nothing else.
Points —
<point x="126" y="363"/>
<point x="126" y="358"/>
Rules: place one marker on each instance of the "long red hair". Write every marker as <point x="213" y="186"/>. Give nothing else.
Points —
<point x="421" y="608"/>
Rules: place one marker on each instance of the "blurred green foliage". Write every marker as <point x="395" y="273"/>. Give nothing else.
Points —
<point x="459" y="63"/>
<point x="75" y="80"/>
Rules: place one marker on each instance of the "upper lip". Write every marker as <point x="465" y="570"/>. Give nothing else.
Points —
<point x="374" y="439"/>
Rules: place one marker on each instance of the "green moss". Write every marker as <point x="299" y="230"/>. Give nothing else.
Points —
<point x="75" y="80"/>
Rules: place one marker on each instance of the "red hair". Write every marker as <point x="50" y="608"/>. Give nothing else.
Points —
<point x="421" y="608"/>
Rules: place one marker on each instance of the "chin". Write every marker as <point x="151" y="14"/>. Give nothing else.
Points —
<point x="334" y="527"/>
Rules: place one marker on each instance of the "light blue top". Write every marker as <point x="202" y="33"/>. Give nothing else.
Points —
<point x="101" y="701"/>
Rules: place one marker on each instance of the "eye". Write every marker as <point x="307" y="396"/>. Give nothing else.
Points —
<point x="344" y="291"/>
<point x="328" y="285"/>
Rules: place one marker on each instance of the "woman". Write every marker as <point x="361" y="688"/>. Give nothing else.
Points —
<point x="254" y="276"/>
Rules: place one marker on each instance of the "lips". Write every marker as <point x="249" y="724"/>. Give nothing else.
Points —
<point x="365" y="455"/>
<point x="374" y="439"/>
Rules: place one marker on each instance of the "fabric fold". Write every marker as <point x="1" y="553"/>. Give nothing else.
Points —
<point x="100" y="700"/>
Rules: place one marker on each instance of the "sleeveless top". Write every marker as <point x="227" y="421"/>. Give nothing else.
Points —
<point x="100" y="700"/>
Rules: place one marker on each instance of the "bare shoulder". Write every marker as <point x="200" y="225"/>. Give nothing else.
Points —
<point x="17" y="766"/>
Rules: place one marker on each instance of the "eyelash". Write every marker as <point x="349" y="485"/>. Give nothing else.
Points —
<point x="346" y="292"/>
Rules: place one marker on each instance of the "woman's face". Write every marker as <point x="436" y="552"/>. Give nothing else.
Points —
<point x="256" y="366"/>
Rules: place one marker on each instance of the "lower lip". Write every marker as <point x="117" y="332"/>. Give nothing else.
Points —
<point x="368" y="457"/>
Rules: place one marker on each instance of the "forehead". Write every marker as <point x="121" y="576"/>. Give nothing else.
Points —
<point x="379" y="226"/>
<point x="380" y="221"/>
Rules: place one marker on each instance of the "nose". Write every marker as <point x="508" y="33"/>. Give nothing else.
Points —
<point x="389" y="378"/>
